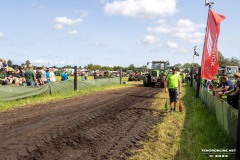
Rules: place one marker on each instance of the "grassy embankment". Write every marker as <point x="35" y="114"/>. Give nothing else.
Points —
<point x="183" y="135"/>
<point x="44" y="98"/>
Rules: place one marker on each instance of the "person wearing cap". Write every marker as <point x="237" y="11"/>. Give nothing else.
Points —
<point x="173" y="86"/>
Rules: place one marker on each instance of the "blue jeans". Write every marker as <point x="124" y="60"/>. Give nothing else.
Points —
<point x="32" y="84"/>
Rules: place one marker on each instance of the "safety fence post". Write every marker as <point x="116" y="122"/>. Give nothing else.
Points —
<point x="237" y="156"/>
<point x="75" y="78"/>
<point x="120" y="75"/>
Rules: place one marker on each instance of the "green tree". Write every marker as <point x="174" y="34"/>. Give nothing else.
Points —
<point x="9" y="62"/>
<point x="195" y="65"/>
<point x="144" y="68"/>
<point x="89" y="66"/>
<point x="178" y="66"/>
<point x="96" y="67"/>
<point x="27" y="63"/>
<point x="186" y="67"/>
<point x="132" y="67"/>
<point x="221" y="59"/>
<point x="106" y="68"/>
<point x="116" y="68"/>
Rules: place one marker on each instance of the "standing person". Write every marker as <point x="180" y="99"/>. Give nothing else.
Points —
<point x="64" y="75"/>
<point x="30" y="76"/>
<point x="235" y="94"/>
<point x="43" y="74"/>
<point x="173" y="85"/>
<point x="5" y="65"/>
<point x="47" y="76"/>
<point x="52" y="75"/>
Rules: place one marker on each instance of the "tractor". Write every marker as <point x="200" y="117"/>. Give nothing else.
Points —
<point x="157" y="74"/>
<point x="228" y="70"/>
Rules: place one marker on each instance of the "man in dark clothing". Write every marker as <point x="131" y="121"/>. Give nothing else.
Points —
<point x="227" y="86"/>
<point x="235" y="94"/>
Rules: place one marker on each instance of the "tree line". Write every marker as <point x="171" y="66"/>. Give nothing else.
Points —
<point x="233" y="61"/>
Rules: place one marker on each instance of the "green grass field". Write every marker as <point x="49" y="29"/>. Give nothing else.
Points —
<point x="183" y="135"/>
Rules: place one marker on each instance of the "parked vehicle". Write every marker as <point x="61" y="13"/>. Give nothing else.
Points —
<point x="157" y="74"/>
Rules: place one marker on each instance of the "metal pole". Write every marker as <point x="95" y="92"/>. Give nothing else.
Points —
<point x="198" y="82"/>
<point x="237" y="156"/>
<point x="120" y="75"/>
<point x="191" y="77"/>
<point x="75" y="78"/>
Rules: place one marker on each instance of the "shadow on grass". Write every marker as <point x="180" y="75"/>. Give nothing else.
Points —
<point x="201" y="131"/>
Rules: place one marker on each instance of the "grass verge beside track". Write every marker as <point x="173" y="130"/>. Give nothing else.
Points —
<point x="183" y="135"/>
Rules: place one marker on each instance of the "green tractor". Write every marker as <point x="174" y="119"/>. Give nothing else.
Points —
<point x="157" y="74"/>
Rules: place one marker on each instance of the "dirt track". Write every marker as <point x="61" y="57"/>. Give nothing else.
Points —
<point x="104" y="125"/>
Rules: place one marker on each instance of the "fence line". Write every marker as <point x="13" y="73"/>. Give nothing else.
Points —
<point x="9" y="93"/>
<point x="226" y="115"/>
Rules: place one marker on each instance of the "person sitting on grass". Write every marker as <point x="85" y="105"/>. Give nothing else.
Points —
<point x="173" y="85"/>
<point x="3" y="78"/>
<point x="16" y="77"/>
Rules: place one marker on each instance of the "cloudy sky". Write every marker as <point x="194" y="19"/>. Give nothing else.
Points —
<point x="111" y="32"/>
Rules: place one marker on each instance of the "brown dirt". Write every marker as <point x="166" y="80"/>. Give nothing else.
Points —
<point x="103" y="125"/>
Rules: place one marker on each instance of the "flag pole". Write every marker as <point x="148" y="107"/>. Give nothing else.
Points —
<point x="209" y="4"/>
<point x="191" y="73"/>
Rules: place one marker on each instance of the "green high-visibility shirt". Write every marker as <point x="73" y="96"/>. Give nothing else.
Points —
<point x="173" y="80"/>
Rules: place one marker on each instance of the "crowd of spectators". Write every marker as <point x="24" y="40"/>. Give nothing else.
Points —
<point x="25" y="76"/>
<point x="230" y="89"/>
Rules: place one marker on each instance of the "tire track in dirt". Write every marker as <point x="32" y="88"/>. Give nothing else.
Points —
<point x="104" y="125"/>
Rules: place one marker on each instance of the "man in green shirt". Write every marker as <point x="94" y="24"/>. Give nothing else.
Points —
<point x="173" y="86"/>
<point x="30" y="76"/>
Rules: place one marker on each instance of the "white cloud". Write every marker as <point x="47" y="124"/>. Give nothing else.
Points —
<point x="39" y="6"/>
<point x="58" y="27"/>
<point x="68" y="21"/>
<point x="141" y="8"/>
<point x="1" y="35"/>
<point x="72" y="32"/>
<point x="185" y="25"/>
<point x="159" y="29"/>
<point x="149" y="39"/>
<point x="172" y="45"/>
<point x="183" y="29"/>
<point x="102" y="1"/>
<point x="161" y="21"/>
<point x="40" y="62"/>
<point x="99" y="43"/>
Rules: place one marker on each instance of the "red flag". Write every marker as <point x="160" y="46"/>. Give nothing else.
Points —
<point x="210" y="52"/>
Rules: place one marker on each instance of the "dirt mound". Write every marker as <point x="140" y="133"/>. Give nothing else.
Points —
<point x="103" y="125"/>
